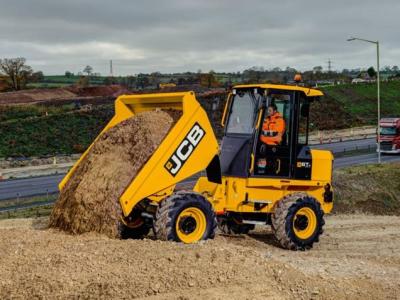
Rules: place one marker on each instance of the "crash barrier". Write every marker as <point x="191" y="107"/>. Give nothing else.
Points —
<point x="340" y="135"/>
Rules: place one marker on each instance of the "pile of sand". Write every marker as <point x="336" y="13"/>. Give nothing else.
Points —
<point x="89" y="202"/>
<point x="357" y="258"/>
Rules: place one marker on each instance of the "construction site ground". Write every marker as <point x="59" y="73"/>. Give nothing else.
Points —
<point x="358" y="257"/>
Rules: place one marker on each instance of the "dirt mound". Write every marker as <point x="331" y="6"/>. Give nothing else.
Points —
<point x="357" y="258"/>
<point x="89" y="201"/>
<point x="60" y="94"/>
<point x="35" y="96"/>
<point x="98" y="91"/>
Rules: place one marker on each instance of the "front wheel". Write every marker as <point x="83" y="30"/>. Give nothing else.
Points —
<point x="298" y="221"/>
<point x="185" y="217"/>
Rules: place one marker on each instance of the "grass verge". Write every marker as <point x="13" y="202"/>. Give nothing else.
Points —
<point x="372" y="189"/>
<point x="29" y="207"/>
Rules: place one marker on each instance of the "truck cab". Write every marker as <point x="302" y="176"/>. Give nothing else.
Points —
<point x="390" y="135"/>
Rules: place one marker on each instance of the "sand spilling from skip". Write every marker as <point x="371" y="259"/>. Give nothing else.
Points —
<point x="89" y="202"/>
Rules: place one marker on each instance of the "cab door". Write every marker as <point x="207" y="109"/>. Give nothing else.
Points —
<point x="276" y="160"/>
<point x="238" y="140"/>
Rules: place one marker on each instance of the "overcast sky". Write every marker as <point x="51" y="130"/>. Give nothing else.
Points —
<point x="174" y="36"/>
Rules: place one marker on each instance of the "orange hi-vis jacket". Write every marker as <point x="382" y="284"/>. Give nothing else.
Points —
<point x="273" y="129"/>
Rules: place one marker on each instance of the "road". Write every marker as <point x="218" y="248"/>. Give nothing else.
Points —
<point x="18" y="188"/>
<point x="27" y="187"/>
<point x="346" y="146"/>
<point x="363" y="159"/>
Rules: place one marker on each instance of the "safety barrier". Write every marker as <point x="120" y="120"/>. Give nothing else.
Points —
<point x="340" y="135"/>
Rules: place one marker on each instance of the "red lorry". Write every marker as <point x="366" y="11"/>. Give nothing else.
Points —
<point x="390" y="135"/>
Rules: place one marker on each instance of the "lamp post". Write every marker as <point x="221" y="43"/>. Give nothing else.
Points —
<point x="378" y="89"/>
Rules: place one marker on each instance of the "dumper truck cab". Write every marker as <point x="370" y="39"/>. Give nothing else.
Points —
<point x="249" y="180"/>
<point x="283" y="183"/>
<point x="389" y="135"/>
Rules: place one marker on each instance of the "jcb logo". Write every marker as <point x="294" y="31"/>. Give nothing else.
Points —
<point x="184" y="150"/>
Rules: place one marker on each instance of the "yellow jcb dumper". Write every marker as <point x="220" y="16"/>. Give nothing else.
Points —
<point x="285" y="184"/>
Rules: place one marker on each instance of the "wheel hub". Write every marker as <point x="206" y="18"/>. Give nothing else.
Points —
<point x="301" y="222"/>
<point x="187" y="224"/>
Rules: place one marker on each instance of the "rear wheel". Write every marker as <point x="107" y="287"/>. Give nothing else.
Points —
<point x="134" y="227"/>
<point x="298" y="221"/>
<point x="185" y="217"/>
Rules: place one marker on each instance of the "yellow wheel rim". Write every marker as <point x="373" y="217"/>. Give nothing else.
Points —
<point x="304" y="223"/>
<point x="191" y="225"/>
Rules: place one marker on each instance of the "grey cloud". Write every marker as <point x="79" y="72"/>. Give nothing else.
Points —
<point x="169" y="36"/>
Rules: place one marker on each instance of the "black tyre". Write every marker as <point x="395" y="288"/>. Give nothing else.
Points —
<point x="134" y="233"/>
<point x="185" y="217"/>
<point x="298" y="221"/>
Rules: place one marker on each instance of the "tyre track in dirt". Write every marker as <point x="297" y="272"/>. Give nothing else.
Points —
<point x="357" y="258"/>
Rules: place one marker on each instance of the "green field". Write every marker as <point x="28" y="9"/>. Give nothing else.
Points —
<point x="64" y="131"/>
<point x="57" y="81"/>
<point x="358" y="102"/>
<point x="47" y="85"/>
<point x="15" y="113"/>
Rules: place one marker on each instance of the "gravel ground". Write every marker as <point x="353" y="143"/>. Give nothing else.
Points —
<point x="358" y="258"/>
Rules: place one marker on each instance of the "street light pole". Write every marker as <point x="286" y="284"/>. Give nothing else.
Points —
<point x="379" y="101"/>
<point x="378" y="90"/>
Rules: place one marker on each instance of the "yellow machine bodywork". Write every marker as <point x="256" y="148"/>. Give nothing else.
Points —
<point x="240" y="194"/>
<point x="153" y="181"/>
<point x="309" y="92"/>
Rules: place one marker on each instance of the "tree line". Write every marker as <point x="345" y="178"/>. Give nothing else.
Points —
<point x="17" y="74"/>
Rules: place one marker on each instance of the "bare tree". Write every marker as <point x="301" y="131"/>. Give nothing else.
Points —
<point x="88" y="70"/>
<point x="16" y="70"/>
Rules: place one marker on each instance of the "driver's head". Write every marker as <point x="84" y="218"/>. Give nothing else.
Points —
<point x="272" y="109"/>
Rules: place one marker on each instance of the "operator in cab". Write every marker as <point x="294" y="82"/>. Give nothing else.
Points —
<point x="273" y="127"/>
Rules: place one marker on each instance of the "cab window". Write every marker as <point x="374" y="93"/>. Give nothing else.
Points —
<point x="241" y="119"/>
<point x="282" y="102"/>
<point x="302" y="138"/>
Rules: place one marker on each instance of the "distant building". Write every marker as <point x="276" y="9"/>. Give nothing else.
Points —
<point x="358" y="80"/>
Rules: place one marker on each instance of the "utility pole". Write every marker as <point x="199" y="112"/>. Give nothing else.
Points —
<point x="329" y="65"/>
<point x="379" y="101"/>
<point x="111" y="68"/>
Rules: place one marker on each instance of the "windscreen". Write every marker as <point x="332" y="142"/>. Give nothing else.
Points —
<point x="388" y="130"/>
<point x="241" y="118"/>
